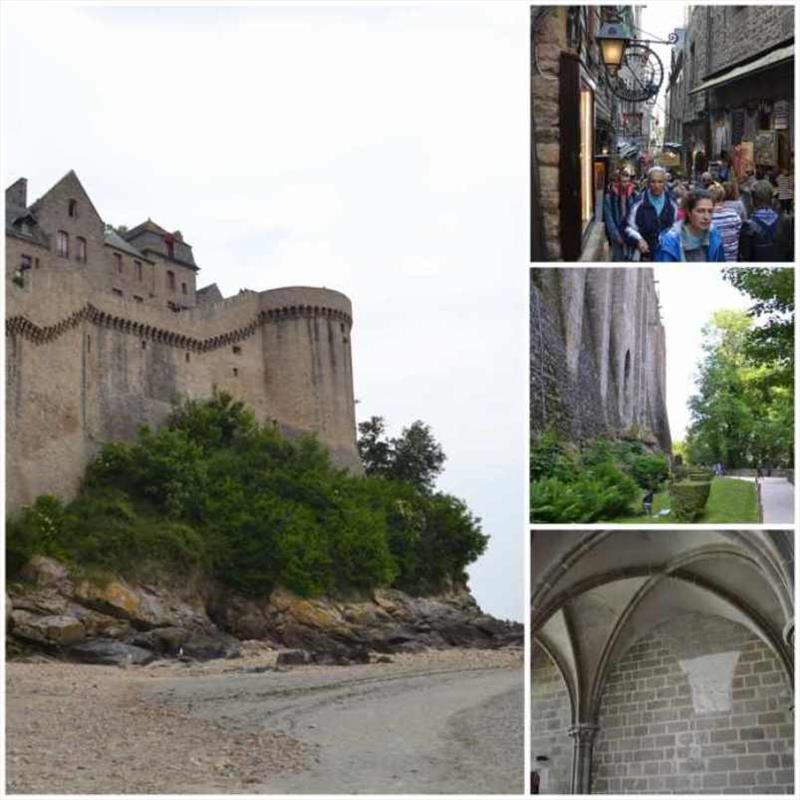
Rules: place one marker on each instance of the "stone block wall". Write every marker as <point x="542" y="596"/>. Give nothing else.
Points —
<point x="699" y="705"/>
<point x="549" y="40"/>
<point x="726" y="35"/>
<point x="551" y="718"/>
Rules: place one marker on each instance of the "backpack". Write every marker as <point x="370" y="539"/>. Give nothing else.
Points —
<point x="762" y="238"/>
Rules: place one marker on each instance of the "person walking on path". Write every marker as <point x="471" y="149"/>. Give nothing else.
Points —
<point x="693" y="239"/>
<point x="621" y="195"/>
<point x="727" y="221"/>
<point x="766" y="235"/>
<point x="652" y="214"/>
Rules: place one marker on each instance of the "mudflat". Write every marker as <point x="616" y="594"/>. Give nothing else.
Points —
<point x="437" y="722"/>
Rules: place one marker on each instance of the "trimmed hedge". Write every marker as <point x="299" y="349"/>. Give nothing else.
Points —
<point x="689" y="498"/>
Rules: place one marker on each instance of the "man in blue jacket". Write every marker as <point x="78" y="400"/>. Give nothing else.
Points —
<point x="619" y="198"/>
<point x="652" y="214"/>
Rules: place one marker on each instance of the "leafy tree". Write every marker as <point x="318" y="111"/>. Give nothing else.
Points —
<point x="414" y="457"/>
<point x="771" y="339"/>
<point x="742" y="413"/>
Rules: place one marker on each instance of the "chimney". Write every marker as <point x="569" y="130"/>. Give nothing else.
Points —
<point x="17" y="193"/>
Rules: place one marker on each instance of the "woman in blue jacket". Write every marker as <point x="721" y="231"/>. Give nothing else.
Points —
<point x="694" y="238"/>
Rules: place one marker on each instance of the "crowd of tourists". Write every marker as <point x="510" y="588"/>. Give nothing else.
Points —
<point x="710" y="218"/>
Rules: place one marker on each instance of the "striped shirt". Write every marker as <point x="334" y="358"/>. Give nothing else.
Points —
<point x="728" y="223"/>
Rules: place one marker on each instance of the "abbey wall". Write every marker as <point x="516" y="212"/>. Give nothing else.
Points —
<point x="597" y="354"/>
<point x="94" y="351"/>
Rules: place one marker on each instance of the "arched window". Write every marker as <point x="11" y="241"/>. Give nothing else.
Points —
<point x="72" y="208"/>
<point x="62" y="244"/>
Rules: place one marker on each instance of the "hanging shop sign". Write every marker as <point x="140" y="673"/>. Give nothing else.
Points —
<point x="737" y="125"/>
<point x="765" y="148"/>
<point x="781" y="115"/>
<point x="639" y="76"/>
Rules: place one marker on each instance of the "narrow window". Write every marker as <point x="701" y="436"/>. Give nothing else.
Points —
<point x="73" y="208"/>
<point x="237" y="350"/>
<point x="62" y="244"/>
<point x="170" y="280"/>
<point x="144" y="344"/>
<point x="80" y="247"/>
<point x="170" y="243"/>
<point x="88" y="344"/>
<point x="138" y="265"/>
<point x="187" y="358"/>
<point x="118" y="292"/>
<point x="24" y="263"/>
<point x="36" y="263"/>
<point x="138" y="299"/>
<point x="235" y="372"/>
<point x="118" y="262"/>
<point x="183" y="288"/>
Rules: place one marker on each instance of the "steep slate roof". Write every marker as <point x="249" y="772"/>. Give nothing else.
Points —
<point x="209" y="294"/>
<point x="149" y="226"/>
<point x="15" y="215"/>
<point x="113" y="239"/>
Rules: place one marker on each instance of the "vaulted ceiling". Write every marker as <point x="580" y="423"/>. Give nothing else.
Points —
<point x="594" y="593"/>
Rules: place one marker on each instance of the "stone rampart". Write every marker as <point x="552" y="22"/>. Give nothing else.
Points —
<point x="597" y="354"/>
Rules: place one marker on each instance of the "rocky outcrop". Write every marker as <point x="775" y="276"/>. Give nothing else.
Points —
<point x="123" y="622"/>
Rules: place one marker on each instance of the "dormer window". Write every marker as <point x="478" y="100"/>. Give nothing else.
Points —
<point x="169" y="241"/>
<point x="62" y="244"/>
<point x="72" y="208"/>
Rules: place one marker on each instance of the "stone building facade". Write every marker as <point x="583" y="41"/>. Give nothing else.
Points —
<point x="663" y="662"/>
<point x="597" y="354"/>
<point x="104" y="331"/>
<point x="731" y="85"/>
<point x="577" y="126"/>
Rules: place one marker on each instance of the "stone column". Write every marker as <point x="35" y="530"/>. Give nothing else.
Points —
<point x="583" y="741"/>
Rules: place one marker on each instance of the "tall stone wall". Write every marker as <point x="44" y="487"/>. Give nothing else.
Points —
<point x="699" y="705"/>
<point x="85" y="367"/>
<point x="551" y="718"/>
<point x="597" y="354"/>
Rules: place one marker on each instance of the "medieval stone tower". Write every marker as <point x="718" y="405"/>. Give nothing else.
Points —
<point x="598" y="355"/>
<point x="104" y="330"/>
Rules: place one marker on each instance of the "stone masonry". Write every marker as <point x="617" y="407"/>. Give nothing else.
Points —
<point x="597" y="354"/>
<point x="699" y="705"/>
<point x="550" y="707"/>
<point x="97" y="346"/>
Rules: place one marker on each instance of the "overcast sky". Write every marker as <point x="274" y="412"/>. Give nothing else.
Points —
<point x="378" y="150"/>
<point x="689" y="295"/>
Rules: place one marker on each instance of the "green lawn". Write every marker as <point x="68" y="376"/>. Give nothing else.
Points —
<point x="731" y="500"/>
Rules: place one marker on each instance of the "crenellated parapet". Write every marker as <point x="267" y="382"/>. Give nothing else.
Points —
<point x="22" y="326"/>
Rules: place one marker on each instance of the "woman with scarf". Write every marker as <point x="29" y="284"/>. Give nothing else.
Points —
<point x="694" y="238"/>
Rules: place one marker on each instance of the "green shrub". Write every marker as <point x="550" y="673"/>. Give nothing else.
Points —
<point x="213" y="490"/>
<point x="649" y="471"/>
<point x="679" y="472"/>
<point x="550" y="458"/>
<point x="688" y="499"/>
<point x="602" y="492"/>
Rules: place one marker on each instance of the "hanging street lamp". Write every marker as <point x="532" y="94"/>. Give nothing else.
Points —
<point x="634" y="71"/>
<point x="613" y="38"/>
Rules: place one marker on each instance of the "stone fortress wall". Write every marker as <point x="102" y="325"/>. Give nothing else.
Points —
<point x="86" y="365"/>
<point x="597" y="354"/>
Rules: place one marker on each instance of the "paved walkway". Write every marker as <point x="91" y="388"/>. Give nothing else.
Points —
<point x="777" y="500"/>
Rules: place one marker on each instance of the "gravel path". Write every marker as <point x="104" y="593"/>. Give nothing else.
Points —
<point x="437" y="722"/>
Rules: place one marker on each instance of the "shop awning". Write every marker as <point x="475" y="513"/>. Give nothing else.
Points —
<point x="765" y="62"/>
